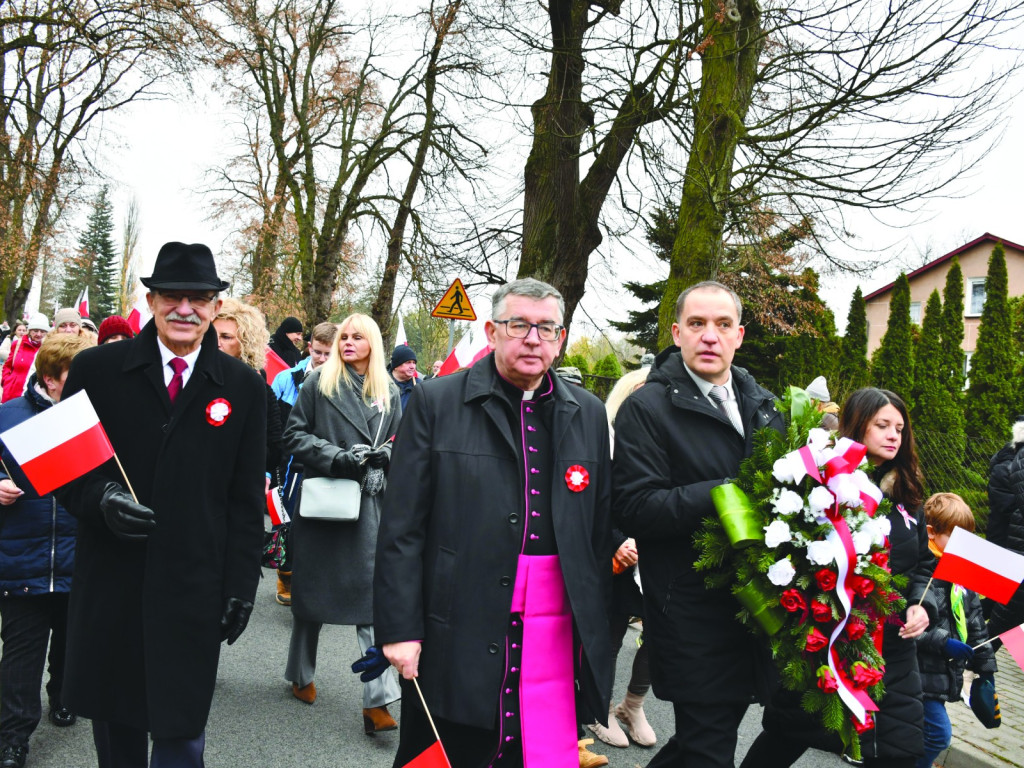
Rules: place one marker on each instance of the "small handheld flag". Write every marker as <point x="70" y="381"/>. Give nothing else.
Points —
<point x="60" y="444"/>
<point x="278" y="514"/>
<point x="433" y="756"/>
<point x="273" y="364"/>
<point x="1013" y="641"/>
<point x="980" y="566"/>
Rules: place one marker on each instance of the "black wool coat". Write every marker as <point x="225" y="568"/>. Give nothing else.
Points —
<point x="1006" y="521"/>
<point x="451" y="532"/>
<point x="672" y="446"/>
<point x="144" y="620"/>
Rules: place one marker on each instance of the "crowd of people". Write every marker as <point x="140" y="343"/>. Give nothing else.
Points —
<point x="490" y="534"/>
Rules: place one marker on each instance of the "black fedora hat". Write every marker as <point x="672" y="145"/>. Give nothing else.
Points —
<point x="184" y="267"/>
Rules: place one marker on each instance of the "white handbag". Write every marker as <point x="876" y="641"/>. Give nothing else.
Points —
<point x="333" y="498"/>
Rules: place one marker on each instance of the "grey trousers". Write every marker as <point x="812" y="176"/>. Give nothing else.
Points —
<point x="302" y="662"/>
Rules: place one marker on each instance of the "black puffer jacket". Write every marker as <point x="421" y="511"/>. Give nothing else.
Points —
<point x="941" y="677"/>
<point x="1006" y="523"/>
<point x="672" y="446"/>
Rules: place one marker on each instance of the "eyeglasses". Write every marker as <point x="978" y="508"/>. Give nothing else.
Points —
<point x="196" y="302"/>
<point x="520" y="329"/>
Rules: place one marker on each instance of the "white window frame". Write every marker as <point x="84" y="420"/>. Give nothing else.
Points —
<point x="915" y="312"/>
<point x="968" y="309"/>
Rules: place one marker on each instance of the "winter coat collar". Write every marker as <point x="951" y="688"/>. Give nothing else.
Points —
<point x="349" y="403"/>
<point x="669" y="369"/>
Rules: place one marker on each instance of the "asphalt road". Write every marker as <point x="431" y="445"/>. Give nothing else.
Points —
<point x="256" y="722"/>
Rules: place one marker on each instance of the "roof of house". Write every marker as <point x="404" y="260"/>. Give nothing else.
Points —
<point x="942" y="259"/>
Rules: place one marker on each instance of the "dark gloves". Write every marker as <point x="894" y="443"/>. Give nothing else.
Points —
<point x="959" y="651"/>
<point x="345" y="465"/>
<point x="236" y="616"/>
<point x="985" y="700"/>
<point x="128" y="519"/>
<point x="372" y="665"/>
<point x="377" y="459"/>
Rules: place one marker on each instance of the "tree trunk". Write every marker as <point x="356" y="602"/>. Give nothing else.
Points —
<point x="728" y="73"/>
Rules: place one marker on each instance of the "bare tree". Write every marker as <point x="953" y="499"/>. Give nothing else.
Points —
<point x="64" y="65"/>
<point x="129" y="273"/>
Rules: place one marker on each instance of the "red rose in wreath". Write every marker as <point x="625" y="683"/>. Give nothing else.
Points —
<point x="827" y="681"/>
<point x="793" y="601"/>
<point x="855" y="628"/>
<point x="865" y="676"/>
<point x="815" y="641"/>
<point x="862" y="585"/>
<point x="880" y="558"/>
<point x="820" y="611"/>
<point x="864" y="727"/>
<point x="826" y="579"/>
<point x="577" y="478"/>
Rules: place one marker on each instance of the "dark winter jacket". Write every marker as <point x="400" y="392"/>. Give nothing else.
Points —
<point x="37" y="535"/>
<point x="283" y="346"/>
<point x="405" y="388"/>
<point x="451" y="533"/>
<point x="672" y="446"/>
<point x="942" y="677"/>
<point x="1006" y="519"/>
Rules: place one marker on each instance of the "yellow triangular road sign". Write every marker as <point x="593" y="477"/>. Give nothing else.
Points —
<point x="454" y="305"/>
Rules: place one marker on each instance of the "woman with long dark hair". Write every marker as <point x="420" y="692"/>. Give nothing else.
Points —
<point x="879" y="420"/>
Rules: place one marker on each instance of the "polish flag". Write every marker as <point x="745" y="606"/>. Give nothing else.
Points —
<point x="470" y="348"/>
<point x="273" y="364"/>
<point x="59" y="444"/>
<point x="83" y="302"/>
<point x="431" y="757"/>
<point x="278" y="514"/>
<point x="139" y="315"/>
<point x="980" y="566"/>
<point x="1013" y="641"/>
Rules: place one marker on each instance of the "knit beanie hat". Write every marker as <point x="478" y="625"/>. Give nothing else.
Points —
<point x="290" y="325"/>
<point x="113" y="326"/>
<point x="66" y="315"/>
<point x="402" y="354"/>
<point x="38" y="322"/>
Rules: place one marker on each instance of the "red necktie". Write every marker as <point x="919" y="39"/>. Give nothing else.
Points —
<point x="178" y="365"/>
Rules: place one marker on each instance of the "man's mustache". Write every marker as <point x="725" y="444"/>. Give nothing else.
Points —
<point x="193" y="318"/>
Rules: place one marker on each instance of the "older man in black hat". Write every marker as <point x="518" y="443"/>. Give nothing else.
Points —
<point x="166" y="568"/>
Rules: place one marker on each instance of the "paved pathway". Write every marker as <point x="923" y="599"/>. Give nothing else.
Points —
<point x="256" y="722"/>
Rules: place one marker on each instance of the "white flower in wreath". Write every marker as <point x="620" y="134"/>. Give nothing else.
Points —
<point x="820" y="553"/>
<point x="862" y="541"/>
<point x="846" y="490"/>
<point x="782" y="470"/>
<point x="820" y="499"/>
<point x="781" y="573"/>
<point x="880" y="528"/>
<point x="777" y="533"/>
<point x="788" y="502"/>
<point x="818" y="439"/>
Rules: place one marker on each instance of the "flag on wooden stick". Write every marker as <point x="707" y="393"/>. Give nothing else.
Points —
<point x="980" y="566"/>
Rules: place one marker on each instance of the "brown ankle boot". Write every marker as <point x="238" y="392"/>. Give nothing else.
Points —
<point x="590" y="759"/>
<point x="284" y="588"/>
<point x="377" y="719"/>
<point x="306" y="693"/>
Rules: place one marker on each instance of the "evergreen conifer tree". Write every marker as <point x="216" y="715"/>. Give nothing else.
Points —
<point x="892" y="366"/>
<point x="991" y="395"/>
<point x="931" y="397"/>
<point x="96" y="263"/>
<point x="608" y="366"/>
<point x="854" y="371"/>
<point x="949" y="419"/>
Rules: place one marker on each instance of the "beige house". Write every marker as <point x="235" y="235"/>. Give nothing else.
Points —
<point x="974" y="265"/>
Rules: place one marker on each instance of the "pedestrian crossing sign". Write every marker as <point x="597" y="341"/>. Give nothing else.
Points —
<point x="454" y="305"/>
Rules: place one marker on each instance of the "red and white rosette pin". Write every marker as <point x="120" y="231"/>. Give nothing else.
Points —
<point x="577" y="478"/>
<point x="217" y="412"/>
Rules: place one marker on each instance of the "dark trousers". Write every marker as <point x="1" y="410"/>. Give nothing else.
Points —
<point x="705" y="736"/>
<point x="640" y="677"/>
<point x="121" y="746"/>
<point x="30" y="623"/>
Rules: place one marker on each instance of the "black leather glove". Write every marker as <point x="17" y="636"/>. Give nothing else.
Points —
<point x="236" y="616"/>
<point x="372" y="665"/>
<point x="377" y="459"/>
<point x="128" y="519"/>
<point x="345" y="465"/>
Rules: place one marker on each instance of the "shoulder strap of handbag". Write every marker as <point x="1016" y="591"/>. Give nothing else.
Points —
<point x="380" y="424"/>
